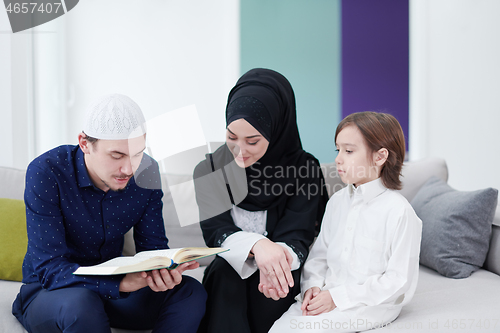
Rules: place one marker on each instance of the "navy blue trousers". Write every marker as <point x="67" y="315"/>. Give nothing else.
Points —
<point x="81" y="310"/>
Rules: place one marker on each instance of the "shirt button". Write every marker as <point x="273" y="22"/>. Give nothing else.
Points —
<point x="107" y="226"/>
<point x="346" y="249"/>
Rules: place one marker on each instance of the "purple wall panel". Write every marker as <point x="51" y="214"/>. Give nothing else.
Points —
<point x="375" y="54"/>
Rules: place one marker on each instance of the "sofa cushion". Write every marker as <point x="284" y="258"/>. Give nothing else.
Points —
<point x="441" y="305"/>
<point x="416" y="173"/>
<point x="13" y="239"/>
<point x="456" y="227"/>
<point x="12" y="181"/>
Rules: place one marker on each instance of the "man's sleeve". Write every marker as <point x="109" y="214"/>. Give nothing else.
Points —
<point x="149" y="233"/>
<point x="47" y="246"/>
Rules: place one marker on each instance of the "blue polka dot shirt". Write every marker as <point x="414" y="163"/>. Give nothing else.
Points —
<point x="72" y="223"/>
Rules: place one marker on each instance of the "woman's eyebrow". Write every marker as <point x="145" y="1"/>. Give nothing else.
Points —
<point x="248" y="137"/>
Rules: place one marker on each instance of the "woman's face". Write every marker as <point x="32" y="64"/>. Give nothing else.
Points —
<point x="245" y="142"/>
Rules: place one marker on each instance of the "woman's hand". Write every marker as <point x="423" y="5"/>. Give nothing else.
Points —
<point x="274" y="262"/>
<point x="267" y="289"/>
<point x="157" y="280"/>
<point x="317" y="302"/>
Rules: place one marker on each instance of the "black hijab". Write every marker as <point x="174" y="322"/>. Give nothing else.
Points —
<point x="266" y="100"/>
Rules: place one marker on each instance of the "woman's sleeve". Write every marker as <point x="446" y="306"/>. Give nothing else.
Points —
<point x="240" y="244"/>
<point x="304" y="209"/>
<point x="214" y="205"/>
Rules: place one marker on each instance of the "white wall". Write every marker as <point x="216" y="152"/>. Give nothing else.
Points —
<point x="5" y="92"/>
<point x="163" y="54"/>
<point x="169" y="54"/>
<point x="16" y="96"/>
<point x="49" y="85"/>
<point x="454" y="88"/>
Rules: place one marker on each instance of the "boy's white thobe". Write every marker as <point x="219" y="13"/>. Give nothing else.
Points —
<point x="366" y="256"/>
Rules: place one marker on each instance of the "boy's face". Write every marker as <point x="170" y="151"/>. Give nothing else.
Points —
<point x="355" y="164"/>
<point x="111" y="163"/>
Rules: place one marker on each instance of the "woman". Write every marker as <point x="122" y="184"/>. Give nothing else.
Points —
<point x="261" y="196"/>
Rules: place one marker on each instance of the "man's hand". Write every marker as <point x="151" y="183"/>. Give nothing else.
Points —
<point x="317" y="302"/>
<point x="274" y="261"/>
<point x="157" y="280"/>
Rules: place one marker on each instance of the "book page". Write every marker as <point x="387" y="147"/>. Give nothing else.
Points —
<point x="194" y="253"/>
<point x="170" y="253"/>
<point x="123" y="265"/>
<point x="121" y="261"/>
<point x="148" y="260"/>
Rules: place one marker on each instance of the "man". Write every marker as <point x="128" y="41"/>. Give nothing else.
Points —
<point x="80" y="201"/>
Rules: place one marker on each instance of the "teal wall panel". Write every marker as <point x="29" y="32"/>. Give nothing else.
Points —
<point x="301" y="40"/>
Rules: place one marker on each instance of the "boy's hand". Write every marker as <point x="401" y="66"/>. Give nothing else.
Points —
<point x="308" y="296"/>
<point x="317" y="302"/>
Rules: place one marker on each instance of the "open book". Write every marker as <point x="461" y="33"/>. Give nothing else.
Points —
<point x="149" y="260"/>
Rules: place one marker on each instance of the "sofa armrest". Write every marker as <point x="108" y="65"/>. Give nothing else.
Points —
<point x="492" y="262"/>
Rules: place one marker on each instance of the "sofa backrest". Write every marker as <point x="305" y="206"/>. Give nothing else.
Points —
<point x="12" y="183"/>
<point x="415" y="174"/>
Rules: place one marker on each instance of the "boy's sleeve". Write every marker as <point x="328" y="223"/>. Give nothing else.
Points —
<point x="400" y="276"/>
<point x="316" y="266"/>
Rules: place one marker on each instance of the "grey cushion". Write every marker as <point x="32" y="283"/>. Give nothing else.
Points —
<point x="456" y="227"/>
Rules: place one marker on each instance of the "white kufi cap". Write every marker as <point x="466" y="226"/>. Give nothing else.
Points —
<point x="114" y="117"/>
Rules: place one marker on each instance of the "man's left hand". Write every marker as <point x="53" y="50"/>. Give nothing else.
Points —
<point x="164" y="279"/>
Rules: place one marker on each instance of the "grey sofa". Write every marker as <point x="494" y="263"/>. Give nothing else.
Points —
<point x="440" y="304"/>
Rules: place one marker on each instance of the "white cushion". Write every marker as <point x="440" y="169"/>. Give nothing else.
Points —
<point x="417" y="173"/>
<point x="12" y="183"/>
<point x="440" y="303"/>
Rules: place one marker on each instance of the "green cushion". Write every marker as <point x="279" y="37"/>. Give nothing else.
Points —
<point x="13" y="239"/>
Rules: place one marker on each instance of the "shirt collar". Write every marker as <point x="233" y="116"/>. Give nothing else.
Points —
<point x="367" y="191"/>
<point x="82" y="175"/>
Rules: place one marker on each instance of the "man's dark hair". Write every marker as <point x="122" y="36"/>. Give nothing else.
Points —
<point x="90" y="139"/>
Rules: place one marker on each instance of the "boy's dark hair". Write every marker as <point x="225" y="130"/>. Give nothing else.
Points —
<point x="381" y="130"/>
